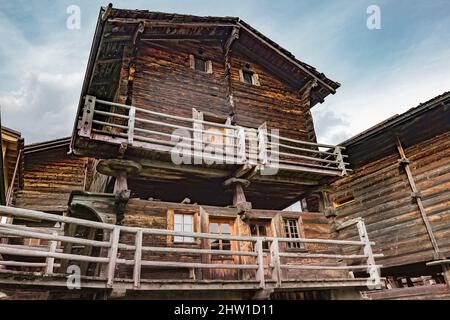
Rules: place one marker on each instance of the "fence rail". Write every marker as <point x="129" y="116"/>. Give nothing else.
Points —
<point x="231" y="144"/>
<point x="267" y="265"/>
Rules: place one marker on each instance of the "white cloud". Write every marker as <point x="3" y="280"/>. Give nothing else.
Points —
<point x="41" y="83"/>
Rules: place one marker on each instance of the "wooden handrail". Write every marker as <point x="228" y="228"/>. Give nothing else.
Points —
<point x="114" y="246"/>
<point x="265" y="142"/>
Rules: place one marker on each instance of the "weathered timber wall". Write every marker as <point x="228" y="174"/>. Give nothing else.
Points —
<point x="49" y="178"/>
<point x="272" y="102"/>
<point x="152" y="214"/>
<point x="164" y="82"/>
<point x="383" y="198"/>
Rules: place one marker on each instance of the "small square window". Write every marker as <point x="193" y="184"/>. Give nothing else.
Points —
<point x="200" y="65"/>
<point x="248" y="76"/>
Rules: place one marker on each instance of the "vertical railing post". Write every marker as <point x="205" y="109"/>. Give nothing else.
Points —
<point x="50" y="261"/>
<point x="262" y="143"/>
<point x="260" y="262"/>
<point x="114" y="242"/>
<point x="85" y="126"/>
<point x="275" y="260"/>
<point x="340" y="160"/>
<point x="137" y="259"/>
<point x="374" y="281"/>
<point x="131" y="124"/>
<point x="241" y="145"/>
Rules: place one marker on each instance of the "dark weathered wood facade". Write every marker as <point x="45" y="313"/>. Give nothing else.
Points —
<point x="400" y="187"/>
<point x="145" y="61"/>
<point x="49" y="176"/>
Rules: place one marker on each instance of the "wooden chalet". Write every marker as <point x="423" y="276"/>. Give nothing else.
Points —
<point x="118" y="206"/>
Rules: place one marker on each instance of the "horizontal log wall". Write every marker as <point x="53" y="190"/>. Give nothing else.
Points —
<point x="49" y="178"/>
<point x="272" y="101"/>
<point x="163" y="81"/>
<point x="383" y="198"/>
<point x="151" y="214"/>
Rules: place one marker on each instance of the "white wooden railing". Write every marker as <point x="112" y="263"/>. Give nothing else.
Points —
<point x="231" y="144"/>
<point x="272" y="263"/>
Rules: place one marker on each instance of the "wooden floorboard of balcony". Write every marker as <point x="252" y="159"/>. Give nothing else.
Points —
<point x="19" y="279"/>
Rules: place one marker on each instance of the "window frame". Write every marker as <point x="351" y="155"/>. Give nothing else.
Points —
<point x="193" y="65"/>
<point x="220" y="232"/>
<point x="176" y="239"/>
<point x="343" y="200"/>
<point x="171" y="226"/>
<point x="294" y="246"/>
<point x="254" y="77"/>
<point x="258" y="224"/>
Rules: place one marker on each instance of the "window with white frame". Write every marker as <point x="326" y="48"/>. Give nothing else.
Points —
<point x="183" y="223"/>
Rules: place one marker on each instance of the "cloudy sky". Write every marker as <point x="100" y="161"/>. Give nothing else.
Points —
<point x="383" y="72"/>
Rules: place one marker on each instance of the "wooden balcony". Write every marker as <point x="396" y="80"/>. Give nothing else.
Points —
<point x="123" y="260"/>
<point x="107" y="125"/>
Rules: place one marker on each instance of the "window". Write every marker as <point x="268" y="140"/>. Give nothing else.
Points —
<point x="291" y="231"/>
<point x="249" y="77"/>
<point x="343" y="201"/>
<point x="259" y="229"/>
<point x="183" y="223"/>
<point x="222" y="229"/>
<point x="200" y="64"/>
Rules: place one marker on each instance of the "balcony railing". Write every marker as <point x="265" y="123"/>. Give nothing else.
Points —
<point x="210" y="141"/>
<point x="267" y="267"/>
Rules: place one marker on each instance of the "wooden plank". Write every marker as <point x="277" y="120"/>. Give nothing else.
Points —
<point x="418" y="199"/>
<point x="50" y="261"/>
<point x="137" y="259"/>
<point x="112" y="258"/>
<point x="260" y="261"/>
<point x="33" y="253"/>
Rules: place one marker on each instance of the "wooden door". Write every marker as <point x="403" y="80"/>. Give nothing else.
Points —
<point x="262" y="228"/>
<point x="223" y="227"/>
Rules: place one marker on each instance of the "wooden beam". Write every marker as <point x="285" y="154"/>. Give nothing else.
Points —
<point x="415" y="190"/>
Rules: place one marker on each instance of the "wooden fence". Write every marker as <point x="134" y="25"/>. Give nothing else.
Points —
<point x="273" y="259"/>
<point x="118" y="123"/>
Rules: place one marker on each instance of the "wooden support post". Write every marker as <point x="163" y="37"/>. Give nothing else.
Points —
<point x="138" y="259"/>
<point x="85" y="125"/>
<point x="121" y="182"/>
<point x="340" y="160"/>
<point x="205" y="243"/>
<point x="131" y="124"/>
<point x="198" y="136"/>
<point x="87" y="251"/>
<point x="239" y="200"/>
<point x="276" y="263"/>
<point x="242" y="152"/>
<point x="446" y="273"/>
<point x="260" y="262"/>
<point x="50" y="262"/>
<point x="114" y="241"/>
<point x="405" y="162"/>
<point x="375" y="277"/>
<point x="71" y="232"/>
<point x="262" y="143"/>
